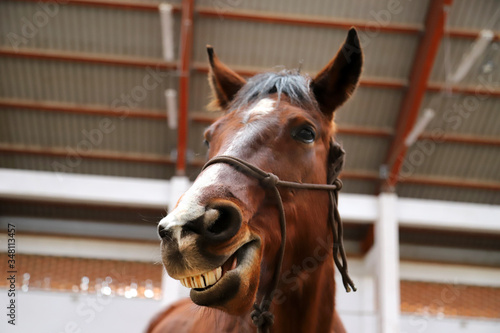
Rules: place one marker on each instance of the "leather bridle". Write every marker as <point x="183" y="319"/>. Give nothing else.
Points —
<point x="261" y="316"/>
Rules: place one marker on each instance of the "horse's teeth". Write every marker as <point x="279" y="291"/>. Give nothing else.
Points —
<point x="203" y="280"/>
<point x="210" y="276"/>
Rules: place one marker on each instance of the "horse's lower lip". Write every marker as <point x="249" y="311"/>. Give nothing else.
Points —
<point x="228" y="285"/>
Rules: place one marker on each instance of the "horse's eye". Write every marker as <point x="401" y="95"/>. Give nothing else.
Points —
<point x="206" y="143"/>
<point x="305" y="134"/>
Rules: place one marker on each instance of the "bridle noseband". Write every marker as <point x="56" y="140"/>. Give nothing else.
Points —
<point x="261" y="316"/>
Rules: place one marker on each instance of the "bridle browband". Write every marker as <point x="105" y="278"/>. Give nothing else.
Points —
<point x="261" y="316"/>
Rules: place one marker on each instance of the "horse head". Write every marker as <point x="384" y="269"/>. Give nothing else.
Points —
<point x="223" y="237"/>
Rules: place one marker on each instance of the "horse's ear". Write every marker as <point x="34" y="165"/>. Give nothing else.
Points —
<point x="335" y="83"/>
<point x="224" y="82"/>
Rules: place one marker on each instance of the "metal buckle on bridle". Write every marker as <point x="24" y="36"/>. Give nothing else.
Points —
<point x="261" y="316"/>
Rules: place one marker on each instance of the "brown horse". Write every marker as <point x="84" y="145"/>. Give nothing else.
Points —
<point x="223" y="238"/>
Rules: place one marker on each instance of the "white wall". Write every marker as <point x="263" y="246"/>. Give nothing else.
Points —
<point x="358" y="313"/>
<point x="427" y="324"/>
<point x="53" y="312"/>
<point x="358" y="310"/>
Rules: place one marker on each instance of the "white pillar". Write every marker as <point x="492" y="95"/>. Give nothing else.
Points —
<point x="172" y="290"/>
<point x="387" y="250"/>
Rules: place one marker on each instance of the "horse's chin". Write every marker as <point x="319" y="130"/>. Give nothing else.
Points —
<point x="234" y="292"/>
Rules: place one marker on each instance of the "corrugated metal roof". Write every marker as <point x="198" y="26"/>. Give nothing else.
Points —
<point x="466" y="114"/>
<point x="262" y="45"/>
<point x="363" y="153"/>
<point x="86" y="166"/>
<point x="84" y="83"/>
<point x="372" y="107"/>
<point x="467" y="162"/>
<point x="88" y="29"/>
<point x="478" y="14"/>
<point x="448" y="194"/>
<point x="450" y="54"/>
<point x="367" y="10"/>
<point x="199" y="90"/>
<point x="117" y="32"/>
<point x="58" y="130"/>
<point x="358" y="186"/>
<point x="196" y="140"/>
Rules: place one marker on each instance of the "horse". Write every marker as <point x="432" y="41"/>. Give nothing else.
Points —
<point x="252" y="237"/>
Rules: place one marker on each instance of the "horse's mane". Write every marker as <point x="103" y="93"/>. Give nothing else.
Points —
<point x="290" y="83"/>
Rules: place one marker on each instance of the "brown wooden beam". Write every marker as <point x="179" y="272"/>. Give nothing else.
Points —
<point x="271" y="18"/>
<point x="102" y="59"/>
<point x="420" y="72"/>
<point x="160" y="159"/>
<point x="94" y="110"/>
<point x="383" y="83"/>
<point x="206" y="118"/>
<point x="97" y="154"/>
<point x="452" y="182"/>
<point x="468" y="34"/>
<point x="366" y="82"/>
<point x="127" y="5"/>
<point x="106" y="59"/>
<point x="425" y="180"/>
<point x="364" y="131"/>
<point x="462" y="138"/>
<point x="243" y="71"/>
<point x="359" y="175"/>
<point x="479" y="90"/>
<point x="209" y="118"/>
<point x="266" y="17"/>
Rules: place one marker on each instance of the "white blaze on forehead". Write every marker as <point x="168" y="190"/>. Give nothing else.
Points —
<point x="263" y="107"/>
<point x="247" y="133"/>
<point x="189" y="207"/>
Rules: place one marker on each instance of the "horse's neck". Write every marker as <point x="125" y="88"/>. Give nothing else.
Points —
<point x="310" y="306"/>
<point x="303" y="302"/>
<point x="307" y="308"/>
<point x="307" y="288"/>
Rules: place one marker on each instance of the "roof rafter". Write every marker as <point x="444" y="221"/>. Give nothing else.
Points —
<point x="419" y="75"/>
<point x="208" y="118"/>
<point x="88" y="57"/>
<point x="268" y="17"/>
<point x="153" y="158"/>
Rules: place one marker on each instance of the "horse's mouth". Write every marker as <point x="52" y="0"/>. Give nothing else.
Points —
<point x="215" y="287"/>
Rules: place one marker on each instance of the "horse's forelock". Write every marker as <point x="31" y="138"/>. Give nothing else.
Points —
<point x="295" y="86"/>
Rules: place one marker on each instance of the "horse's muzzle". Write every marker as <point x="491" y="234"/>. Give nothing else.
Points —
<point x="219" y="223"/>
<point x="200" y="240"/>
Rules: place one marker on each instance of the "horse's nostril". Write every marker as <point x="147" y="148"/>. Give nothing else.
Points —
<point x="164" y="233"/>
<point x="222" y="221"/>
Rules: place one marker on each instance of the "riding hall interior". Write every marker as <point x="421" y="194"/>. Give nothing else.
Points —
<point x="103" y="118"/>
